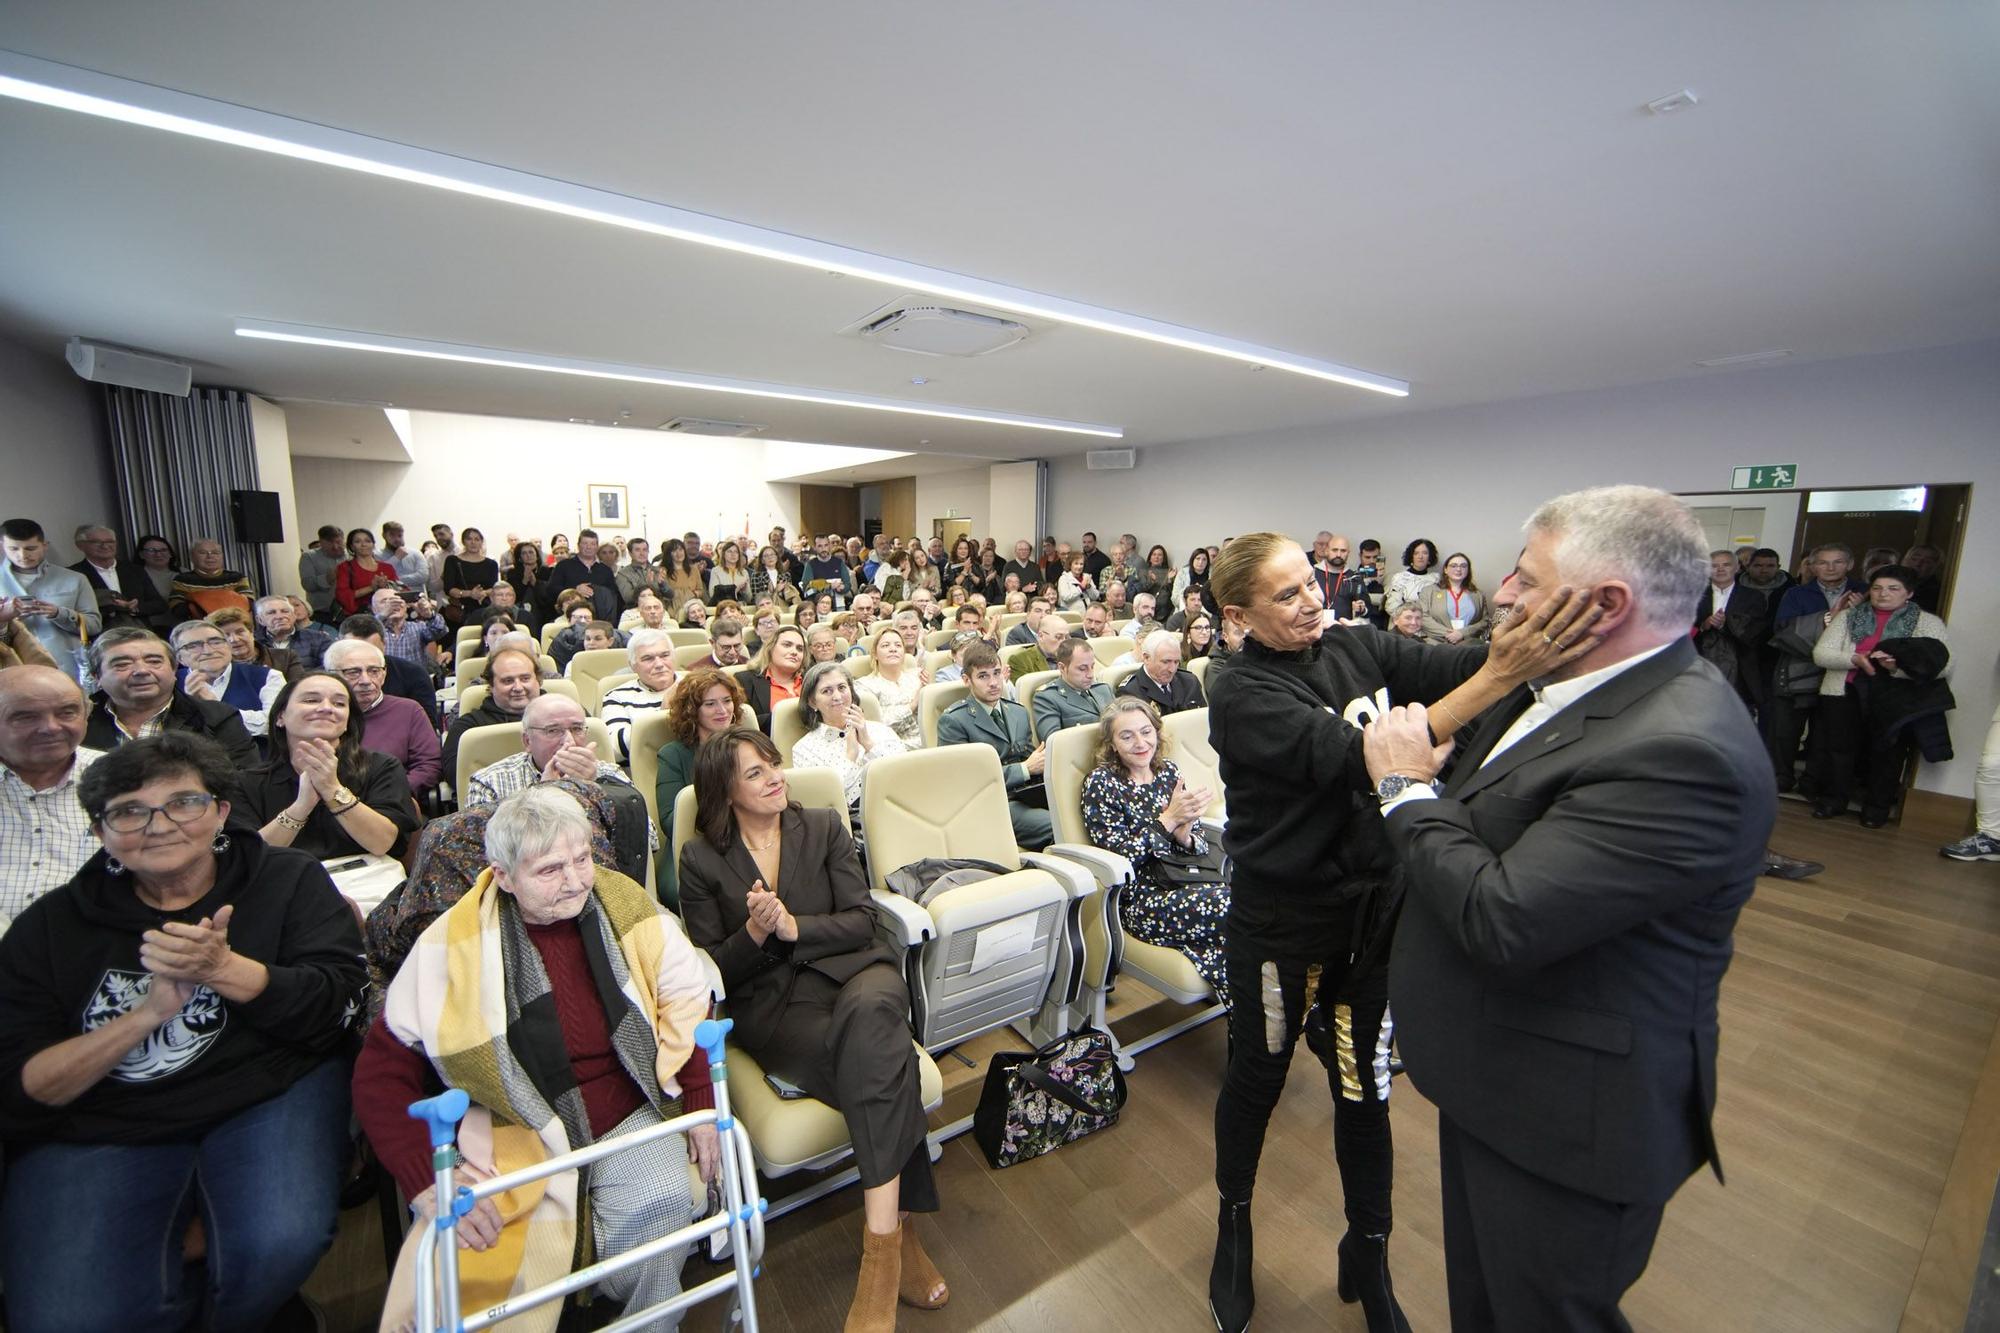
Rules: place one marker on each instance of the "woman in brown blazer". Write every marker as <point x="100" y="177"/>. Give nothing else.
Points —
<point x="817" y="998"/>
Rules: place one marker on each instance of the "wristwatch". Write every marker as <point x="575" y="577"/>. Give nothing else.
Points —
<point x="342" y="801"/>
<point x="1396" y="784"/>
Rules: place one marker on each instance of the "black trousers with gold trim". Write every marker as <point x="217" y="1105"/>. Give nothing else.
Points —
<point x="1272" y="993"/>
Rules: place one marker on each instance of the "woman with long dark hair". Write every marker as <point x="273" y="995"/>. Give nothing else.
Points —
<point x="322" y="792"/>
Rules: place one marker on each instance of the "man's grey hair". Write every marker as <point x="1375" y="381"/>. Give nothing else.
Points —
<point x="342" y="651"/>
<point x="809" y="713"/>
<point x="1158" y="639"/>
<point x="520" y="641"/>
<point x="186" y="629"/>
<point x="269" y="598"/>
<point x="85" y="529"/>
<point x="1841" y="547"/>
<point x="530" y="823"/>
<point x="1642" y="537"/>
<point x="113" y="638"/>
<point x="642" y="639"/>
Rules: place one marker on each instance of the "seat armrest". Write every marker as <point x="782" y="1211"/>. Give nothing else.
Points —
<point x="901" y="920"/>
<point x="1079" y="880"/>
<point x="1109" y="867"/>
<point x="1212" y="826"/>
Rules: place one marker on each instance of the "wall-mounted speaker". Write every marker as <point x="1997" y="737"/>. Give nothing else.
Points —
<point x="258" y="522"/>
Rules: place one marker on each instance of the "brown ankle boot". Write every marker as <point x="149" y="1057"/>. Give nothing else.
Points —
<point x="920" y="1275"/>
<point x="874" y="1307"/>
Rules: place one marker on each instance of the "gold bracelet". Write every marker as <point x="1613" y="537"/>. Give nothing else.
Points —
<point x="286" y="821"/>
<point x="1456" y="720"/>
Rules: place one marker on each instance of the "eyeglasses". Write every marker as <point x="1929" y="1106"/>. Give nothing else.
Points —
<point x="363" y="673"/>
<point x="216" y="642"/>
<point x="137" y="818"/>
<point x="555" y="729"/>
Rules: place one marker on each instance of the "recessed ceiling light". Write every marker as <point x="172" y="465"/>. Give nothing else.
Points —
<point x="1672" y="102"/>
<point x="130" y="102"/>
<point x="672" y="379"/>
<point x="919" y="380"/>
<point x="1745" y="358"/>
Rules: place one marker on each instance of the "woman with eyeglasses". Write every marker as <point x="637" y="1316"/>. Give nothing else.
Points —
<point x="322" y="792"/>
<point x="174" y="1024"/>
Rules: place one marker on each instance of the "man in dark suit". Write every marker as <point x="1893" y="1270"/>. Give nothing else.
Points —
<point x="1571" y="901"/>
<point x="1159" y="679"/>
<point x="125" y="596"/>
<point x="988" y="717"/>
<point x="1730" y="626"/>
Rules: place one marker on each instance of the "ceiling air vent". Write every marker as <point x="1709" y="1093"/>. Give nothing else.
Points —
<point x="1110" y="460"/>
<point x="936" y="330"/>
<point x="708" y="426"/>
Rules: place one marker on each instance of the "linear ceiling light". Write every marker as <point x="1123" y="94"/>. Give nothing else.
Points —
<point x="72" y="89"/>
<point x="671" y="379"/>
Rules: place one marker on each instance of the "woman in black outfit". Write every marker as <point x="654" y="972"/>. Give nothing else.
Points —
<point x="469" y="577"/>
<point x="774" y="892"/>
<point x="1313" y="894"/>
<point x="532" y="589"/>
<point x="322" y="792"/>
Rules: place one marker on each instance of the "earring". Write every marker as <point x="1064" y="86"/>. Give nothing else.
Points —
<point x="220" y="845"/>
<point x="113" y="866"/>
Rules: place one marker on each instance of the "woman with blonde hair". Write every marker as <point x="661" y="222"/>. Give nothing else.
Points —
<point x="774" y="673"/>
<point x="895" y="684"/>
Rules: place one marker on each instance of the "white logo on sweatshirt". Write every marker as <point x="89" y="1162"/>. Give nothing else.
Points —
<point x="1365" y="709"/>
<point x="173" y="1045"/>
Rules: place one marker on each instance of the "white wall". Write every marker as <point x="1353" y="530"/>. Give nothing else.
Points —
<point x="1012" y="505"/>
<point x="1466" y="478"/>
<point x="503" y="475"/>
<point x="274" y="473"/>
<point x="961" y="494"/>
<point x="53" y="455"/>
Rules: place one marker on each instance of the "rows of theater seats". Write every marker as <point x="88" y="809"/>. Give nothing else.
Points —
<point x="1036" y="948"/>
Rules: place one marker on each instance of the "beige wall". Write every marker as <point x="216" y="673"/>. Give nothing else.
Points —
<point x="53" y="457"/>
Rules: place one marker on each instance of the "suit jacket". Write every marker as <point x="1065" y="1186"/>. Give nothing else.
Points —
<point x="132" y="583"/>
<point x="970" y="722"/>
<point x="820" y="883"/>
<point x="1555" y="969"/>
<point x="407" y="680"/>
<point x="1178" y="695"/>
<point x="757" y="693"/>
<point x="1735" y="649"/>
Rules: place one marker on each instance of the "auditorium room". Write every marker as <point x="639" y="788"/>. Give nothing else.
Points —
<point x="1121" y="666"/>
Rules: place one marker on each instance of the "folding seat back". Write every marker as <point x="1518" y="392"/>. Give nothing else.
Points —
<point x="1028" y="686"/>
<point x="685" y="638"/>
<point x="788" y="728"/>
<point x="550" y="630"/>
<point x="1198" y="668"/>
<point x="937" y="661"/>
<point x="1009" y="620"/>
<point x="1195" y="757"/>
<point x="475" y="696"/>
<point x="481" y="746"/>
<point x="938" y="638"/>
<point x="932" y="700"/>
<point x="1110" y="648"/>
<point x="589" y="667"/>
<point x="1116" y="674"/>
<point x="687" y="654"/>
<point x="983" y="954"/>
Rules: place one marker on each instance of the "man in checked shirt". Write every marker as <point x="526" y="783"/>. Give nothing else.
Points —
<point x="44" y="834"/>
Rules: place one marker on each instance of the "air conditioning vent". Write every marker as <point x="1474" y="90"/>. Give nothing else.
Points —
<point x="1110" y="460"/>
<point x="708" y="426"/>
<point x="909" y="325"/>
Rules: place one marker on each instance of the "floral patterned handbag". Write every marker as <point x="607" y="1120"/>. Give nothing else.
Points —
<point x="1036" y="1101"/>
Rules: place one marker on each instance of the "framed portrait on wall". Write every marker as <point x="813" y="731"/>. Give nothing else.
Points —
<point x="605" y="507"/>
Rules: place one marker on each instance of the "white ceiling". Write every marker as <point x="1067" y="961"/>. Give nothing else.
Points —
<point x="1467" y="196"/>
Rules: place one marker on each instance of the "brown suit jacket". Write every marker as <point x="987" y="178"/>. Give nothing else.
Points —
<point x="820" y="883"/>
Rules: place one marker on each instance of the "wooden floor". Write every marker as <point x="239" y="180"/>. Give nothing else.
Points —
<point x="1859" y="1124"/>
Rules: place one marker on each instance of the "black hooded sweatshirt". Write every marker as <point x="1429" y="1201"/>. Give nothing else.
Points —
<point x="70" y="963"/>
<point x="1305" y="832"/>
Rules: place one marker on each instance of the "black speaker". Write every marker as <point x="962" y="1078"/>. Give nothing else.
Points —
<point x="257" y="520"/>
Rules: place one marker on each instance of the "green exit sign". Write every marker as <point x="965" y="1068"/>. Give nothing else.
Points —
<point x="1765" y="477"/>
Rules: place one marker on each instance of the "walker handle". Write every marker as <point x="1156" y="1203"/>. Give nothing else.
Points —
<point x="708" y="1035"/>
<point x="442" y="1114"/>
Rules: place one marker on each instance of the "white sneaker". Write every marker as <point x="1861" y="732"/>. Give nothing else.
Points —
<point x="1978" y="847"/>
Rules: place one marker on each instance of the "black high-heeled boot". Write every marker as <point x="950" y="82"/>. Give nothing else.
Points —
<point x="1230" y="1297"/>
<point x="1364" y="1277"/>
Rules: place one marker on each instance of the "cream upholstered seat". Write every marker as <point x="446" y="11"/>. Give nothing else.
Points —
<point x="550" y="630"/>
<point x="935" y="662"/>
<point x="1029" y="685"/>
<point x="475" y="696"/>
<point x="1114" y="675"/>
<point x="788" y="726"/>
<point x="1110" y="648"/>
<point x="588" y="669"/>
<point x="1073" y="617"/>
<point x="1108" y="951"/>
<point x="1009" y="619"/>
<point x="938" y="638"/>
<point x="467" y="636"/>
<point x="481" y="746"/>
<point x="802" y="1133"/>
<point x="606" y="684"/>
<point x="932" y="700"/>
<point x="651" y="733"/>
<point x="687" y="654"/>
<point x="1196" y="757"/>
<point x="1198" y="668"/>
<point x="1004" y="950"/>
<point x="683" y="638"/>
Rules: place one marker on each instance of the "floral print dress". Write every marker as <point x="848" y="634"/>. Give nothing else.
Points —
<point x="1122" y="817"/>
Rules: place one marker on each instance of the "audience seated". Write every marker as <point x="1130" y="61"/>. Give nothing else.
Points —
<point x="839" y="735"/>
<point x="725" y="643"/>
<point x="209" y="672"/>
<point x="1198" y="638"/>
<point x="1029" y="630"/>
<point x="57" y="605"/>
<point x="775" y="673"/>
<point x="705" y="706"/>
<point x="390" y="725"/>
<point x="1190" y="608"/>
<point x="322" y="791"/>
<point x="816" y="997"/>
<point x="137" y="697"/>
<point x="1050" y="634"/>
<point x="988" y="717"/>
<point x="512" y="682"/>
<point x="602" y="1029"/>
<point x="45" y="836"/>
<point x="651" y="654"/>
<point x="556" y="737"/>
<point x="1096" y="621"/>
<point x="651" y="610"/>
<point x="1161" y="680"/>
<point x="822" y="644"/>
<point x="1073" y="696"/>
<point x="406" y="680"/>
<point x="174" y="1022"/>
<point x="895" y="683"/>
<point x="280" y="629"/>
<point x="245" y="649"/>
<point x="597" y="636"/>
<point x="125" y="596"/>
<point x="1135" y="804"/>
<point x="1407" y="620"/>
